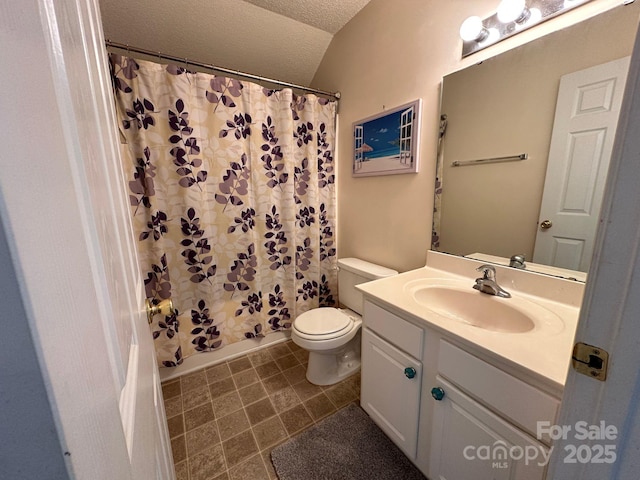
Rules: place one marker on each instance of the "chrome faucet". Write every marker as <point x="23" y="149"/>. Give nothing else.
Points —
<point x="487" y="283"/>
<point x="517" y="261"/>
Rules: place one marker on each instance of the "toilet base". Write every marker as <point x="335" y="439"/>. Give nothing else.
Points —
<point x="330" y="368"/>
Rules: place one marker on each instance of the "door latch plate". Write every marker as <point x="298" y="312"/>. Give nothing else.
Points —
<point x="590" y="361"/>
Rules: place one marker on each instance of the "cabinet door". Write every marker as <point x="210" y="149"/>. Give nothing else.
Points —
<point x="470" y="442"/>
<point x="388" y="395"/>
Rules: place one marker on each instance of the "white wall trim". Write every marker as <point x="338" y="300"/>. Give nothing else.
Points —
<point x="229" y="352"/>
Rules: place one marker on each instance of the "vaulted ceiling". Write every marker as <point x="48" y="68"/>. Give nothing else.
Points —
<point x="281" y="39"/>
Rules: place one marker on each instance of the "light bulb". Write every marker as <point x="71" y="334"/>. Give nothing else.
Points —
<point x="513" y="11"/>
<point x="473" y="30"/>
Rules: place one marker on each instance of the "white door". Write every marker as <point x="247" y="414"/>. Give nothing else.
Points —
<point x="609" y="320"/>
<point x="584" y="127"/>
<point x="406" y="127"/>
<point x="390" y="398"/>
<point x="63" y="204"/>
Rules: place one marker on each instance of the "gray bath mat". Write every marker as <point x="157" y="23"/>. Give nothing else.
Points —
<point x="345" y="446"/>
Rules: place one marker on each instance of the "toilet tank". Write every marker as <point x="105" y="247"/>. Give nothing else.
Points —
<point x="352" y="272"/>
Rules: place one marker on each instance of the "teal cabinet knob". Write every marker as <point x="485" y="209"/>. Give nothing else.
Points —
<point x="437" y="393"/>
<point x="409" y="372"/>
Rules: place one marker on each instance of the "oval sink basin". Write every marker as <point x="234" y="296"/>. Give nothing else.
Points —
<point x="488" y="312"/>
<point x="475" y="308"/>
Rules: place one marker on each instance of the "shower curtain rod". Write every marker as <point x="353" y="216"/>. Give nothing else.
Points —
<point x="208" y="66"/>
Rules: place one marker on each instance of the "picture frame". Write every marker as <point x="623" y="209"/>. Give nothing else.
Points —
<point x="387" y="143"/>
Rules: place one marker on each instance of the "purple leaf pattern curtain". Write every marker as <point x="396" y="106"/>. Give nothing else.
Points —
<point x="232" y="194"/>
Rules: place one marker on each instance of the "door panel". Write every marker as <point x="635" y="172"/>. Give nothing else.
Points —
<point x="468" y="441"/>
<point x="584" y="127"/>
<point x="387" y="395"/>
<point x="65" y="202"/>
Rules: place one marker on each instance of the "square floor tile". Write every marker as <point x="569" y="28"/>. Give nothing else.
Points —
<point x="252" y="469"/>
<point x="192" y="381"/>
<point x="182" y="471"/>
<point x="245" y="378"/>
<point x="260" y="411"/>
<point x="226" y="404"/>
<point x="171" y="389"/>
<point x="306" y="390"/>
<point x="319" y="406"/>
<point x="239" y="448"/>
<point x="179" y="449"/>
<point x="207" y="464"/>
<point x="233" y="424"/>
<point x="198" y="416"/>
<point x="252" y="393"/>
<point x="268" y="369"/>
<point x="260" y="357"/>
<point x="287" y="361"/>
<point x="239" y="364"/>
<point x="201" y="438"/>
<point x="195" y="397"/>
<point x="275" y="383"/>
<point x="341" y="394"/>
<point x="269" y="433"/>
<point x="173" y="406"/>
<point x="221" y="388"/>
<point x="296" y="419"/>
<point x="176" y="425"/>
<point x="284" y="399"/>
<point x="279" y="350"/>
<point x="218" y="372"/>
<point x="295" y="374"/>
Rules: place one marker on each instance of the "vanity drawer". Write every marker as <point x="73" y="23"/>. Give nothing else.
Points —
<point x="513" y="398"/>
<point x="394" y="329"/>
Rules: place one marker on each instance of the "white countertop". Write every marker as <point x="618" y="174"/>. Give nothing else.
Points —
<point x="543" y="352"/>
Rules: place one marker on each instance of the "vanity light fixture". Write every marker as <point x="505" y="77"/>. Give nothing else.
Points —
<point x="511" y="17"/>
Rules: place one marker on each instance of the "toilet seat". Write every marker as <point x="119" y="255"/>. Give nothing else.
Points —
<point x="322" y="324"/>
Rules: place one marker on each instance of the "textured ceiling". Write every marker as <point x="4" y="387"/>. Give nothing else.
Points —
<point x="327" y="15"/>
<point x="281" y="39"/>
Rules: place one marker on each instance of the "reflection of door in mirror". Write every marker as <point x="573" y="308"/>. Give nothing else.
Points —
<point x="505" y="106"/>
<point x="584" y="128"/>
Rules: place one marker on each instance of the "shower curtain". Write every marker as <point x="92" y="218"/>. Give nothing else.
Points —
<point x="232" y="193"/>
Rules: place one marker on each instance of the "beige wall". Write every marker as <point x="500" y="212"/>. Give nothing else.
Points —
<point x="506" y="106"/>
<point x="393" y="52"/>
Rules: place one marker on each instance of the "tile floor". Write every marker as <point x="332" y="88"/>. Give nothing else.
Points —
<point x="225" y="420"/>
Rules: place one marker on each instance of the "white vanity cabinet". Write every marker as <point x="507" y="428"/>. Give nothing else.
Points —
<point x="477" y="409"/>
<point x="392" y="376"/>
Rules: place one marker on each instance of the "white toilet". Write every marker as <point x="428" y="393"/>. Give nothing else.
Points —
<point x="331" y="335"/>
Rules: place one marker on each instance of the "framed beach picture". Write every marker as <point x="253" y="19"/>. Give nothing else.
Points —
<point x="387" y="143"/>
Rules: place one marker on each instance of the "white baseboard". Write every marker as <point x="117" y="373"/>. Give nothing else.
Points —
<point x="228" y="352"/>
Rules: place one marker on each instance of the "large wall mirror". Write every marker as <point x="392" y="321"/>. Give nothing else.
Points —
<point x="512" y="105"/>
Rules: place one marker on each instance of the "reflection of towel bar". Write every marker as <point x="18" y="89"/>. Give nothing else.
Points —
<point x="510" y="158"/>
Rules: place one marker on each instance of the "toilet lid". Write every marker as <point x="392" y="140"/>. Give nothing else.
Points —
<point x="322" y="321"/>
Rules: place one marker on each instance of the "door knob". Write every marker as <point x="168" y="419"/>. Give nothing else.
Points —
<point x="165" y="307"/>
<point x="437" y="393"/>
<point x="546" y="224"/>
<point x="409" y="372"/>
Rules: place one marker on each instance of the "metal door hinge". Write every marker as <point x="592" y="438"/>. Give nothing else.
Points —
<point x="590" y="361"/>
